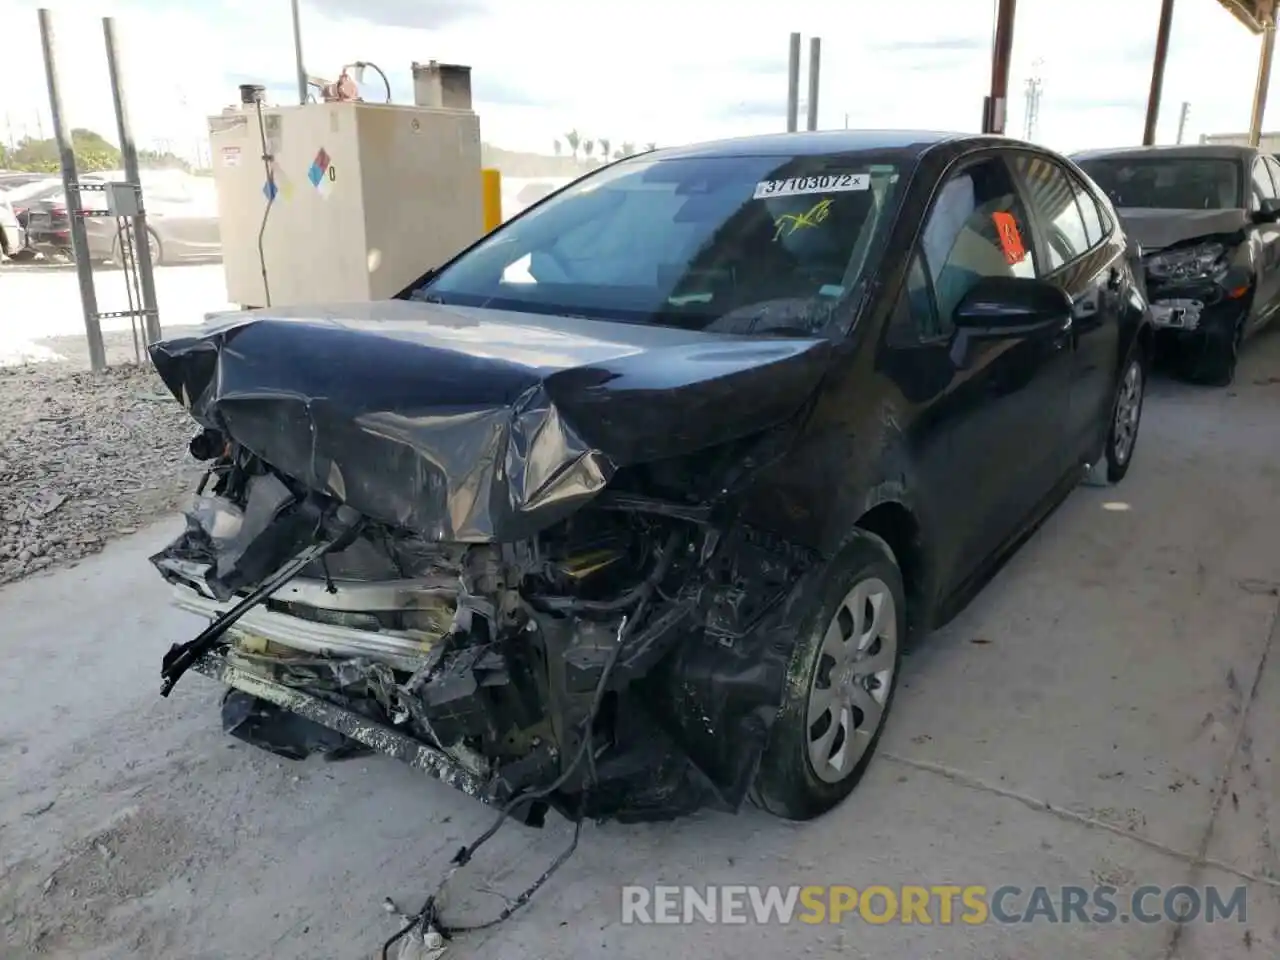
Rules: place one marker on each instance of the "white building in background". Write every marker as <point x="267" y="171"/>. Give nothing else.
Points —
<point x="1268" y="142"/>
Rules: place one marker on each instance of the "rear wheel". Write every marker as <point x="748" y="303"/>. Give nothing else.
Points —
<point x="840" y="686"/>
<point x="1122" y="434"/>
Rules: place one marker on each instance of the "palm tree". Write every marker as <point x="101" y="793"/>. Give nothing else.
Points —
<point x="588" y="147"/>
<point x="573" y="138"/>
<point x="652" y="145"/>
<point x="627" y="148"/>
<point x="605" y="142"/>
<point x="558" y="148"/>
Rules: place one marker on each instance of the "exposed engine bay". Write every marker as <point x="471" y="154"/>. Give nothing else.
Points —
<point x="618" y="664"/>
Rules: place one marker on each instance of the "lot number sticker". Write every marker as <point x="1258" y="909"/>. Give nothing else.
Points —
<point x="827" y="183"/>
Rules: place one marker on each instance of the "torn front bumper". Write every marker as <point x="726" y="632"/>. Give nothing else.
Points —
<point x="399" y="650"/>
<point x="376" y="736"/>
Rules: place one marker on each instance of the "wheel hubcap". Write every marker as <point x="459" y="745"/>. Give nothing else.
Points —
<point x="852" y="680"/>
<point x="1128" y="410"/>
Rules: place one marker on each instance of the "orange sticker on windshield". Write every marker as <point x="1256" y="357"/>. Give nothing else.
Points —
<point x="1010" y="237"/>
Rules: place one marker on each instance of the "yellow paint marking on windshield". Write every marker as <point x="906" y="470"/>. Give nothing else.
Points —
<point x="789" y="223"/>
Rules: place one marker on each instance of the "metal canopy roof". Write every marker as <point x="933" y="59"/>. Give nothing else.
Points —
<point x="1252" y="13"/>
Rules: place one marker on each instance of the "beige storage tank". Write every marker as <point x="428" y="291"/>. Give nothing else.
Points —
<point x="368" y="198"/>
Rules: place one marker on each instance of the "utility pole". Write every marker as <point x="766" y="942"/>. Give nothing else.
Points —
<point x="995" y="107"/>
<point x="815" y="59"/>
<point x="70" y="186"/>
<point x="297" y="52"/>
<point x="1035" y="86"/>
<point x="129" y="153"/>
<point x="793" y="84"/>
<point x="1182" y="119"/>
<point x="1157" y="72"/>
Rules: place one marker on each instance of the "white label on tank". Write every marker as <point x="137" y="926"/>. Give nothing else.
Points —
<point x="231" y="156"/>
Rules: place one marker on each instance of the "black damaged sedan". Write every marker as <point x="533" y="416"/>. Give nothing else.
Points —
<point x="631" y="507"/>
<point x="1205" y="217"/>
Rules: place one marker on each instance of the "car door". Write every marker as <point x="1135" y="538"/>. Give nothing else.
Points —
<point x="1269" y="239"/>
<point x="1265" y="240"/>
<point x="1069" y="224"/>
<point x="186" y="226"/>
<point x="1001" y="402"/>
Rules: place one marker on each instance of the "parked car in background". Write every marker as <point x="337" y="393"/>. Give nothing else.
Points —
<point x="182" y="217"/>
<point x="9" y="179"/>
<point x="1206" y="219"/>
<point x="13" y="235"/>
<point x="631" y="504"/>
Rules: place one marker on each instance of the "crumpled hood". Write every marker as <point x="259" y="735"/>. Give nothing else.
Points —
<point x="1156" y="229"/>
<point x="475" y="425"/>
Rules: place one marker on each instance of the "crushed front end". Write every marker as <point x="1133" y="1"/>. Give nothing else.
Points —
<point x="622" y="655"/>
<point x="504" y="550"/>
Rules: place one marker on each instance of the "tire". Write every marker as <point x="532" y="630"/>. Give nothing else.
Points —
<point x="791" y="783"/>
<point x="157" y="251"/>
<point x="1216" y="364"/>
<point x="1122" y="432"/>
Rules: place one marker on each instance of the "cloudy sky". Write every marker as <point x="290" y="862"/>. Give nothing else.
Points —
<point x="646" y="70"/>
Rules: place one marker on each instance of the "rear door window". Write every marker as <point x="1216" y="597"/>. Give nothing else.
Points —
<point x="1093" y="228"/>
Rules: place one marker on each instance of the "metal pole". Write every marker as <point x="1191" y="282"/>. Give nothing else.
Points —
<point x="1182" y="119"/>
<point x="994" y="114"/>
<point x="793" y="85"/>
<point x="1264" y="79"/>
<point x="1157" y="72"/>
<point x="297" y="52"/>
<point x="129" y="153"/>
<point x="67" y="156"/>
<point x="815" y="60"/>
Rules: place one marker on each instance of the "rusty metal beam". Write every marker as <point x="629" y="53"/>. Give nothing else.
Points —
<point x="1247" y="12"/>
<point x="995" y="109"/>
<point x="1264" y="77"/>
<point x="1157" y="72"/>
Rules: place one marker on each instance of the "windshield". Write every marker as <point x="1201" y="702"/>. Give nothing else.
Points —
<point x="1172" y="183"/>
<point x="725" y="244"/>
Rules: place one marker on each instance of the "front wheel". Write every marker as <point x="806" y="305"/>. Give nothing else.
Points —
<point x="153" y="243"/>
<point x="1215" y="365"/>
<point x="840" y="686"/>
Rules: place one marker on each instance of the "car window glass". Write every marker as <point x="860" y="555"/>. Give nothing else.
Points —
<point x="976" y="229"/>
<point x="1261" y="187"/>
<point x="1274" y="169"/>
<point x="1053" y="200"/>
<point x="721" y="244"/>
<point x="1089" y="210"/>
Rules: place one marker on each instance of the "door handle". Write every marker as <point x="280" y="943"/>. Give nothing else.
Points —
<point x="1113" y="279"/>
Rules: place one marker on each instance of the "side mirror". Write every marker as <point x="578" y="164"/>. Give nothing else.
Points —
<point x="1269" y="212"/>
<point x="1010" y="307"/>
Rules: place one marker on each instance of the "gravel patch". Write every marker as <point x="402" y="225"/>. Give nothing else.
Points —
<point x="85" y="458"/>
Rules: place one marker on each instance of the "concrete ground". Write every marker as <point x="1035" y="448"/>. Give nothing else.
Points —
<point x="41" y="318"/>
<point x="1107" y="711"/>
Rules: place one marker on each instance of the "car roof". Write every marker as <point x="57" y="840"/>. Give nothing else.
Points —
<point x="1186" y="151"/>
<point x="814" y="143"/>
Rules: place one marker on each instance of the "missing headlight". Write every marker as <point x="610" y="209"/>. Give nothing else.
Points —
<point x="1205" y="261"/>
